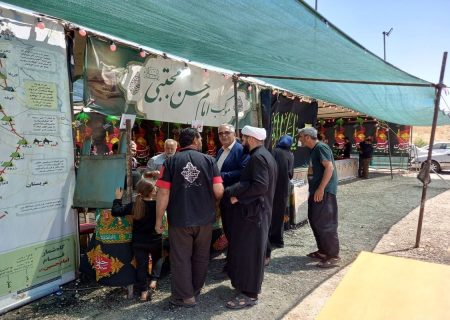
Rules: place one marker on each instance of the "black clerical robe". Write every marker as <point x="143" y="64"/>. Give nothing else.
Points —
<point x="251" y="220"/>
<point x="285" y="163"/>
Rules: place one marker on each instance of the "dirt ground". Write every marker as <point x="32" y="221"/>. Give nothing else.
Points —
<point x="399" y="241"/>
<point x="294" y="288"/>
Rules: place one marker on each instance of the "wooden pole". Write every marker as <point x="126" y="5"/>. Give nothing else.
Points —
<point x="389" y="150"/>
<point x="236" y="111"/>
<point x="129" y="194"/>
<point x="425" y="171"/>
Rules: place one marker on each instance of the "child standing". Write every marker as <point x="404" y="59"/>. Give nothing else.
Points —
<point x="145" y="240"/>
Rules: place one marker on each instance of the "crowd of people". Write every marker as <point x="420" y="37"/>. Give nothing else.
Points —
<point x="250" y="187"/>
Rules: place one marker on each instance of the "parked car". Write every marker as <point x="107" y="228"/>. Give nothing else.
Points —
<point x="440" y="156"/>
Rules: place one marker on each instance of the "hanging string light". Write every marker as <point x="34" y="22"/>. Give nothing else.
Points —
<point x="40" y="24"/>
<point x="82" y="32"/>
<point x="112" y="46"/>
<point x="142" y="53"/>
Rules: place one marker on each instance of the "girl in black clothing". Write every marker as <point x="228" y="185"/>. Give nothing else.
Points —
<point x="145" y="239"/>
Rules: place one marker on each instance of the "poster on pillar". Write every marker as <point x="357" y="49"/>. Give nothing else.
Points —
<point x="37" y="227"/>
<point x="162" y="89"/>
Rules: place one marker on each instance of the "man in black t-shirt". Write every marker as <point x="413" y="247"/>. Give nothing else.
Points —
<point x="189" y="185"/>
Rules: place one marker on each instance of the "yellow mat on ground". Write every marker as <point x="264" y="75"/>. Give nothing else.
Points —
<point x="385" y="287"/>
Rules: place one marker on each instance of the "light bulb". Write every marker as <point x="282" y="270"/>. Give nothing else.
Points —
<point x="40" y="24"/>
<point x="185" y="72"/>
<point x="142" y="53"/>
<point x="112" y="46"/>
<point x="82" y="32"/>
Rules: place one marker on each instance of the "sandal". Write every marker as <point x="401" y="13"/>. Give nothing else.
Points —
<point x="152" y="285"/>
<point x="241" y="301"/>
<point x="144" y="296"/>
<point x="183" y="302"/>
<point x="316" y="255"/>
<point x="329" y="263"/>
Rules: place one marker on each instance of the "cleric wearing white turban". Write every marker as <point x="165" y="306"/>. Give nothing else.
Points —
<point x="251" y="208"/>
<point x="257" y="133"/>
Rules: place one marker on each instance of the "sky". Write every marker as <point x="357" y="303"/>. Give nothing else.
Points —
<point x="421" y="31"/>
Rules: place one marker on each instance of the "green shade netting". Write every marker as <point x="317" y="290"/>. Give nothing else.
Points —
<point x="266" y="37"/>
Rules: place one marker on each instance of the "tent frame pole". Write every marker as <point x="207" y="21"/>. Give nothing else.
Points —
<point x="236" y="111"/>
<point x="129" y="191"/>
<point x="389" y="152"/>
<point x="402" y="84"/>
<point x="426" y="167"/>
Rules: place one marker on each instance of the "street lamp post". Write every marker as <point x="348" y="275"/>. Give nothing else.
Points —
<point x="386" y="34"/>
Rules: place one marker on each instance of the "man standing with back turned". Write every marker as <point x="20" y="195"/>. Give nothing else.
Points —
<point x="189" y="185"/>
<point x="322" y="204"/>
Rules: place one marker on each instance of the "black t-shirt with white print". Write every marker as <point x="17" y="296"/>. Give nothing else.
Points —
<point x="190" y="176"/>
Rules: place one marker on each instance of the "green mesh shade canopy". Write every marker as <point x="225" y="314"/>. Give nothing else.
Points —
<point x="265" y="37"/>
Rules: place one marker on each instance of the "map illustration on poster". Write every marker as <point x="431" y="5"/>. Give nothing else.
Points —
<point x="37" y="229"/>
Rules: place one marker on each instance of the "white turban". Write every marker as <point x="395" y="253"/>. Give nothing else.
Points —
<point x="257" y="133"/>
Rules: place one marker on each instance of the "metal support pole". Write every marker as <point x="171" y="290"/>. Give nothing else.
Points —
<point x="315" y="5"/>
<point x="385" y="34"/>
<point x="384" y="83"/>
<point x="129" y="193"/>
<point x="389" y="151"/>
<point x="236" y="111"/>
<point x="426" y="167"/>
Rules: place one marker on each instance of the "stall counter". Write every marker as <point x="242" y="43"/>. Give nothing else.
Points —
<point x="346" y="169"/>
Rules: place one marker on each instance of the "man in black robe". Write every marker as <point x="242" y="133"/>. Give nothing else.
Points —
<point x="285" y="164"/>
<point x="251" y="200"/>
<point x="365" y="155"/>
<point x="347" y="148"/>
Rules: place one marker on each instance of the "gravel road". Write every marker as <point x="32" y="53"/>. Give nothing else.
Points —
<point x="369" y="210"/>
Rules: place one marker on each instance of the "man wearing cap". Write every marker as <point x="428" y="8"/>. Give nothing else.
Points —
<point x="252" y="199"/>
<point x="322" y="204"/>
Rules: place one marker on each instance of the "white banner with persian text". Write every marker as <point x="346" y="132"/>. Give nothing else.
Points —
<point x="168" y="90"/>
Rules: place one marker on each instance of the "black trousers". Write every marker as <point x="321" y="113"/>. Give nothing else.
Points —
<point x="323" y="219"/>
<point x="277" y="223"/>
<point x="141" y="253"/>
<point x="189" y="258"/>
